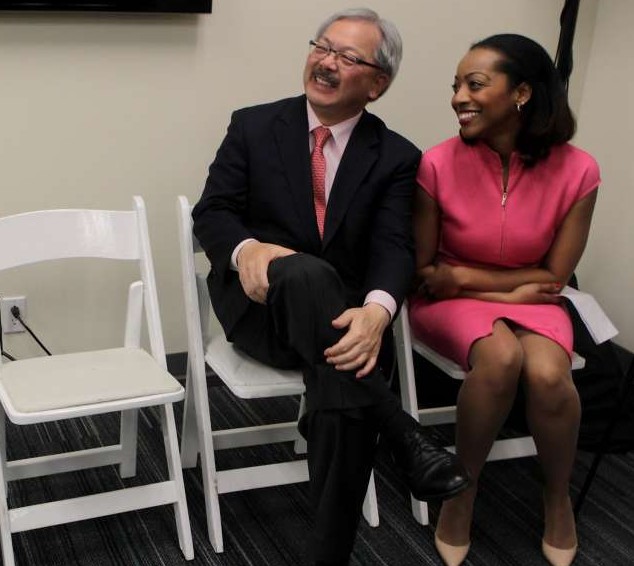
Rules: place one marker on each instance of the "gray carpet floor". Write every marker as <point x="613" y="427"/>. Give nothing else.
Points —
<point x="268" y="526"/>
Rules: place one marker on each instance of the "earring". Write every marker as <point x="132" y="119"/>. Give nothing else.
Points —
<point x="518" y="106"/>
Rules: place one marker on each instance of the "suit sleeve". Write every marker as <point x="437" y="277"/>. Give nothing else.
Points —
<point x="391" y="266"/>
<point x="218" y="216"/>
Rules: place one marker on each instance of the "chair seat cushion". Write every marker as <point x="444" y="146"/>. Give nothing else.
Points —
<point x="247" y="378"/>
<point x="454" y="369"/>
<point x="84" y="378"/>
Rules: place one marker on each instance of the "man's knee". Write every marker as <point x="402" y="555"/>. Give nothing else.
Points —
<point x="306" y="284"/>
<point x="302" y="270"/>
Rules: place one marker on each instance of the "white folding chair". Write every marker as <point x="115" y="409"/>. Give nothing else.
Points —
<point x="44" y="389"/>
<point x="246" y="378"/>
<point x="405" y="345"/>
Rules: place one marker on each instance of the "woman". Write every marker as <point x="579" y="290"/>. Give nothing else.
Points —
<point x="501" y="222"/>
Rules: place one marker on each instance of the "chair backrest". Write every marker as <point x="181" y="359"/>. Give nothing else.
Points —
<point x="46" y="235"/>
<point x="200" y="322"/>
<point x="57" y="234"/>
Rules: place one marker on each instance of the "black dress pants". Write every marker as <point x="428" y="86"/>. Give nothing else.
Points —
<point x="292" y="330"/>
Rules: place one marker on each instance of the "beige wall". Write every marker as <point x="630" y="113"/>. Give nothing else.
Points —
<point x="606" y="127"/>
<point x="97" y="108"/>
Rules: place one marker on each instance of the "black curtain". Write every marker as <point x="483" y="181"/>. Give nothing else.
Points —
<point x="568" y="22"/>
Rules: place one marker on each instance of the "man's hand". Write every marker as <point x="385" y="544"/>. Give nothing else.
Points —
<point x="359" y="347"/>
<point x="253" y="263"/>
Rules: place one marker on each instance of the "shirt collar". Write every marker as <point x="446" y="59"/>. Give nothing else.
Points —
<point x="341" y="132"/>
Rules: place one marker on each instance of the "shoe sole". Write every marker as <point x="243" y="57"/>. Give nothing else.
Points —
<point x="445" y="495"/>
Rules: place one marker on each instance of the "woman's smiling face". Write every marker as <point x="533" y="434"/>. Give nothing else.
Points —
<point x="484" y="101"/>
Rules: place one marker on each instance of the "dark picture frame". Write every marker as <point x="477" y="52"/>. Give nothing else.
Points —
<point x="164" y="6"/>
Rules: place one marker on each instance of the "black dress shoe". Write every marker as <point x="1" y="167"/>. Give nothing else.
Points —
<point x="428" y="469"/>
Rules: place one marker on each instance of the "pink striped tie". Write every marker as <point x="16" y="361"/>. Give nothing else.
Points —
<point x="318" y="163"/>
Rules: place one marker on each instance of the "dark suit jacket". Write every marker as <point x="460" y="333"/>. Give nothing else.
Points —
<point x="260" y="186"/>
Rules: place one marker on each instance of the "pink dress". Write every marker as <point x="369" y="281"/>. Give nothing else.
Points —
<point x="478" y="230"/>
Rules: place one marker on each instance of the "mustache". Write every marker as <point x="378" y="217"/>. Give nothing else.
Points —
<point x="327" y="76"/>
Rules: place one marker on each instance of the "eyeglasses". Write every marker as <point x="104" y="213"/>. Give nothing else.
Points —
<point x="347" y="59"/>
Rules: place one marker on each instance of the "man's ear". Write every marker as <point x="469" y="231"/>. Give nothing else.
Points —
<point x="381" y="82"/>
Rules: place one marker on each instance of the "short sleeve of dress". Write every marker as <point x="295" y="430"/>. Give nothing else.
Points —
<point x="591" y="177"/>
<point x="426" y="176"/>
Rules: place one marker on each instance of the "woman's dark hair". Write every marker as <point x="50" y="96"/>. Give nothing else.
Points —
<point x="546" y="119"/>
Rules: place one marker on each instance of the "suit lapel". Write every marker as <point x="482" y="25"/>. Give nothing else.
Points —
<point x="359" y="156"/>
<point x="291" y="136"/>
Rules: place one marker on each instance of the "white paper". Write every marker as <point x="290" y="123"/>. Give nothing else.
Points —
<point x="593" y="316"/>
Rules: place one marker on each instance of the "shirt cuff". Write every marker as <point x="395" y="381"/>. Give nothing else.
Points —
<point x="382" y="298"/>
<point x="236" y="251"/>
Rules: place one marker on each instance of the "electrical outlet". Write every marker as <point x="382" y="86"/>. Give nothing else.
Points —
<point x="11" y="324"/>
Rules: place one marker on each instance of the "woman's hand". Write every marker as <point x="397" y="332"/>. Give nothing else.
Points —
<point x="535" y="293"/>
<point x="439" y="282"/>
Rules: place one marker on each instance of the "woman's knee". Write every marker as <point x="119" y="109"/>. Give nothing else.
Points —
<point x="496" y="365"/>
<point x="550" y="386"/>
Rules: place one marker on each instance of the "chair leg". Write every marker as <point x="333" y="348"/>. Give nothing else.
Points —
<point x="300" y="446"/>
<point x="197" y="437"/>
<point x="8" y="558"/>
<point x="626" y="391"/>
<point x="3" y="447"/>
<point x="409" y="398"/>
<point x="420" y="511"/>
<point x="189" y="434"/>
<point x="370" y="504"/>
<point x="204" y="443"/>
<point x="128" y="439"/>
<point x="5" y="522"/>
<point x="212" y="502"/>
<point x="175" y="471"/>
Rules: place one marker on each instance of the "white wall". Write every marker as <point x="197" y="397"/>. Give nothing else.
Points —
<point x="606" y="127"/>
<point x="95" y="108"/>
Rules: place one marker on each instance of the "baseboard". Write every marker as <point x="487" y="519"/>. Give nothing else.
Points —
<point x="177" y="363"/>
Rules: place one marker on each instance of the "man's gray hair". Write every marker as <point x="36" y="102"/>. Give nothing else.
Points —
<point x="388" y="54"/>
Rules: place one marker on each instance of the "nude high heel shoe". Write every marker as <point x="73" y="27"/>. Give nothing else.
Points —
<point x="451" y="555"/>
<point x="558" y="556"/>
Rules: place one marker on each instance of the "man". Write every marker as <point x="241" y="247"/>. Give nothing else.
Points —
<point x="306" y="220"/>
